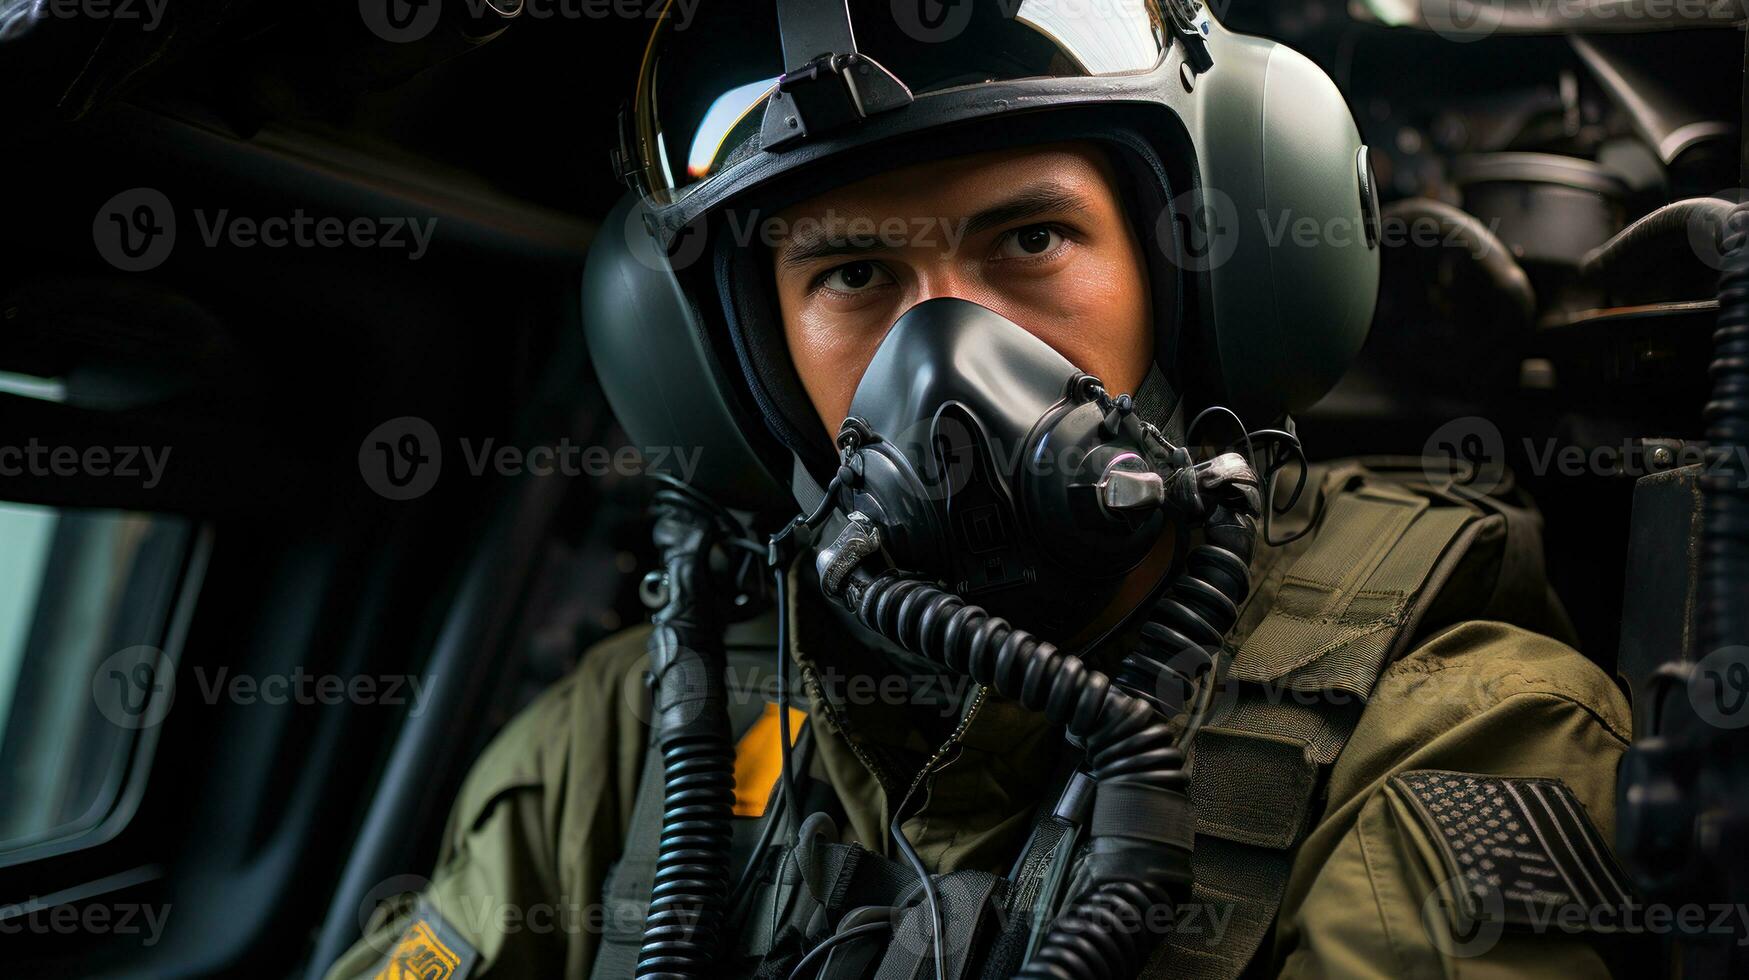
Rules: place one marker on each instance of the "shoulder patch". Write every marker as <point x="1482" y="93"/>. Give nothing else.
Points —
<point x="429" y="949"/>
<point x="1525" y="851"/>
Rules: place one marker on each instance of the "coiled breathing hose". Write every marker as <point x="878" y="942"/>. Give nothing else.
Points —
<point x="1136" y="868"/>
<point x="690" y="712"/>
<point x="1725" y="484"/>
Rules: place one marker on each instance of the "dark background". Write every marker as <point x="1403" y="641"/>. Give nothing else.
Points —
<point x="266" y="369"/>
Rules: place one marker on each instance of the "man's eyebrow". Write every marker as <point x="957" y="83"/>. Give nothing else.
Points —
<point x="804" y="248"/>
<point x="1029" y="202"/>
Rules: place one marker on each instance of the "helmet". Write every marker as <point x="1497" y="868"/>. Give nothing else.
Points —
<point x="1231" y="146"/>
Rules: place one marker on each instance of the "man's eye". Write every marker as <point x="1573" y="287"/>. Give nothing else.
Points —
<point x="1031" y="240"/>
<point x="856" y="276"/>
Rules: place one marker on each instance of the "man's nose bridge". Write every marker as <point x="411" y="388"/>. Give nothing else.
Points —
<point x="944" y="277"/>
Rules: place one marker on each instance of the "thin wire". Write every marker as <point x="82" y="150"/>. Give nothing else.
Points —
<point x="928" y="890"/>
<point x="775" y="816"/>
<point x="1279" y="459"/>
<point x="1245" y="435"/>
<point x="832" y="942"/>
<point x="792" y="803"/>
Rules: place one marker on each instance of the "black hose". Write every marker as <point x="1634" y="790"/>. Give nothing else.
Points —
<point x="688" y="895"/>
<point x="1185" y="627"/>
<point x="1653" y="257"/>
<point x="1109" y="931"/>
<point x="1725" y="484"/>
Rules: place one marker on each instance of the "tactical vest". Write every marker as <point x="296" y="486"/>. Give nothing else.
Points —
<point x="1327" y="614"/>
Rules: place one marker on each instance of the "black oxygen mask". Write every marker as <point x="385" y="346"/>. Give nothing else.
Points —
<point x="986" y="461"/>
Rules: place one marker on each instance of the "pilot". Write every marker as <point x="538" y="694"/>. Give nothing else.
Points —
<point x="1076" y="669"/>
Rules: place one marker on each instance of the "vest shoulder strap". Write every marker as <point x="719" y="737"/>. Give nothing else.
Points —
<point x="1327" y="614"/>
<point x="625" y="896"/>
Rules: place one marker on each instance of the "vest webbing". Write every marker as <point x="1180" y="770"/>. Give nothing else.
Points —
<point x="1342" y="604"/>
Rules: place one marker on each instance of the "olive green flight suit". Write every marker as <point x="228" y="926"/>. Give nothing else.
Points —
<point x="1468" y="688"/>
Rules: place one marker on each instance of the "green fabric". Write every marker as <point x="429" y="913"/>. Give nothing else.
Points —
<point x="537" y="824"/>
<point x="544" y="812"/>
<point x="1483" y="697"/>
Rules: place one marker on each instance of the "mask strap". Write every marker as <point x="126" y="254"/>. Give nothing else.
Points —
<point x="1158" y="405"/>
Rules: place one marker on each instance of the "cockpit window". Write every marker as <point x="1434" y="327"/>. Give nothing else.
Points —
<point x="85" y="604"/>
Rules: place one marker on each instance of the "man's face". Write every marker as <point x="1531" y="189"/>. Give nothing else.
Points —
<point x="1036" y="234"/>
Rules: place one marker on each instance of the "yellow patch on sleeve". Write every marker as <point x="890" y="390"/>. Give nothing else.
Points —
<point x="759" y="759"/>
<point x="428" y="951"/>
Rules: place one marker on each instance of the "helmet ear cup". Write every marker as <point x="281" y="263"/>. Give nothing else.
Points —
<point x="1289" y="229"/>
<point x="651" y="353"/>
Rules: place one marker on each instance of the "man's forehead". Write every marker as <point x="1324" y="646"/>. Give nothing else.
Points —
<point x="956" y="186"/>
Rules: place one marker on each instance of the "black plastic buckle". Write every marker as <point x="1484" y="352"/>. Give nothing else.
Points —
<point x="828" y="92"/>
<point x="1191" y="26"/>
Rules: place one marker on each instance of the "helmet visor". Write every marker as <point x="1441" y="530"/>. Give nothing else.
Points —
<point x="704" y="83"/>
